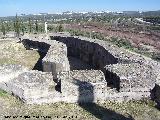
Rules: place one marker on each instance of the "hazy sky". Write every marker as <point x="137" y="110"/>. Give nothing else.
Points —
<point x="11" y="7"/>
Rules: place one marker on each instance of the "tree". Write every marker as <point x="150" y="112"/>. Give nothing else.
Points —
<point x="37" y="27"/>
<point x="30" y="25"/>
<point x="7" y="27"/>
<point x="22" y="27"/>
<point x="3" y="29"/>
<point x="60" y="28"/>
<point x="17" y="26"/>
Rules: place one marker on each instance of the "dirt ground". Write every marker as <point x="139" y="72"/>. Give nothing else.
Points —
<point x="135" y="38"/>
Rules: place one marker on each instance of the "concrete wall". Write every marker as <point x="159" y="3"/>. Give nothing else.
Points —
<point x="89" y="52"/>
<point x="83" y="86"/>
<point x="123" y="70"/>
<point x="132" y="75"/>
<point x="55" y="59"/>
<point x="32" y="87"/>
<point x="90" y="86"/>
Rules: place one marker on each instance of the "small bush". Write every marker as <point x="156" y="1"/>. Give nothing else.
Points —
<point x="2" y="93"/>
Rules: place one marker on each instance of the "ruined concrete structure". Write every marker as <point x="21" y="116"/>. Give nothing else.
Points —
<point x="115" y="73"/>
<point x="54" y="55"/>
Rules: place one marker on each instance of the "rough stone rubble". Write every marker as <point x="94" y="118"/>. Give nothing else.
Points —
<point x="121" y="75"/>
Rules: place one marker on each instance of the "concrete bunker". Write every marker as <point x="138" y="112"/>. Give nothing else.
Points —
<point x="81" y="55"/>
<point x="91" y="53"/>
<point x="113" y="68"/>
<point x="95" y="56"/>
<point x="53" y="55"/>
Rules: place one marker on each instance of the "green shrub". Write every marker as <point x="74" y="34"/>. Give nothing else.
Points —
<point x="2" y="93"/>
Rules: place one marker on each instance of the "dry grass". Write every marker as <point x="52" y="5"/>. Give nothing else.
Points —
<point x="139" y="110"/>
<point x="15" y="53"/>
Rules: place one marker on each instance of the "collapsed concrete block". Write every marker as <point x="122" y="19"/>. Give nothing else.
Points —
<point x="83" y="85"/>
<point x="132" y="77"/>
<point x="9" y="72"/>
<point x="32" y="86"/>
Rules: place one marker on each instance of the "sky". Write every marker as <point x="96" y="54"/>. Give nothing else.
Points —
<point x="11" y="7"/>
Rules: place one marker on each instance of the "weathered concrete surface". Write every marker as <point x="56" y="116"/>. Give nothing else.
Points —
<point x="56" y="59"/>
<point x="32" y="87"/>
<point x="9" y="72"/>
<point x="35" y="87"/>
<point x="89" y="52"/>
<point x="120" y="75"/>
<point x="100" y="54"/>
<point x="91" y="86"/>
<point x="133" y="77"/>
<point x="82" y="85"/>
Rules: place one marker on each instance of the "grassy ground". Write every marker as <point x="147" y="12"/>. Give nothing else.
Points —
<point x="15" y="53"/>
<point x="138" y="110"/>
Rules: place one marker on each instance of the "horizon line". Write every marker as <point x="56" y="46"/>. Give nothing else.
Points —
<point x="74" y="11"/>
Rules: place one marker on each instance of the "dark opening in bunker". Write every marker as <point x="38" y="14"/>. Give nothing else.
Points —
<point x="82" y="55"/>
<point x="38" y="66"/>
<point x="112" y="79"/>
<point x="42" y="49"/>
<point x="85" y="55"/>
<point x="77" y="64"/>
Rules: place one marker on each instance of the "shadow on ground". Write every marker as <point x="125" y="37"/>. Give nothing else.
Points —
<point x="38" y="66"/>
<point x="86" y="94"/>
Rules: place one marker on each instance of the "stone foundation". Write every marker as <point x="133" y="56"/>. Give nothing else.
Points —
<point x="118" y="74"/>
<point x="55" y="59"/>
<point x="133" y="77"/>
<point x="83" y="86"/>
<point x="123" y="70"/>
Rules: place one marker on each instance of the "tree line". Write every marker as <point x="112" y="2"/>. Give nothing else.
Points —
<point x="31" y="26"/>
